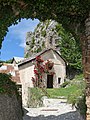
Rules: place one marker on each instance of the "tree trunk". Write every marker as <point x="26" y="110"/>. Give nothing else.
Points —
<point x="85" y="40"/>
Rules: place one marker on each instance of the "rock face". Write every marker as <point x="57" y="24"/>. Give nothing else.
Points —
<point x="44" y="36"/>
<point x="10" y="108"/>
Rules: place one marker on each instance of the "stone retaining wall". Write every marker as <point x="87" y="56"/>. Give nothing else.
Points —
<point x="10" y="108"/>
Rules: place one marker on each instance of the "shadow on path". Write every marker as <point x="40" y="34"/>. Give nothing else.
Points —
<point x="67" y="116"/>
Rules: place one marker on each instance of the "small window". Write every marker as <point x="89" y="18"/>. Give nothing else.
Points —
<point x="59" y="80"/>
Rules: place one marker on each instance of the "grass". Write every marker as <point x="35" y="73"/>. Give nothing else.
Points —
<point x="56" y="92"/>
<point x="76" y="86"/>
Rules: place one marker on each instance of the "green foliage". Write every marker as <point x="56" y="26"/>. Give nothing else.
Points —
<point x="77" y="99"/>
<point x="7" y="86"/>
<point x="70" y="13"/>
<point x="26" y="56"/>
<point x="81" y="106"/>
<point x="47" y="21"/>
<point x="69" y="48"/>
<point x="35" y="97"/>
<point x="33" y="41"/>
<point x="65" y="84"/>
<point x="79" y="102"/>
<point x="42" y="28"/>
<point x="8" y="61"/>
<point x="1" y="61"/>
<point x="43" y="44"/>
<point x="39" y="50"/>
<point x="43" y="33"/>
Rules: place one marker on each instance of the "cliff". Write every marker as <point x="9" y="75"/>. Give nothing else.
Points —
<point x="44" y="36"/>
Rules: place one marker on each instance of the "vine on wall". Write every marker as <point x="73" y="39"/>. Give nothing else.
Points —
<point x="40" y="68"/>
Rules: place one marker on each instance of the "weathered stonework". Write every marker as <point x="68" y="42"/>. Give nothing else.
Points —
<point x="86" y="63"/>
<point x="10" y="108"/>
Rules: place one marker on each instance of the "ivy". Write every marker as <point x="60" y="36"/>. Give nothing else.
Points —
<point x="67" y="12"/>
<point x="7" y="86"/>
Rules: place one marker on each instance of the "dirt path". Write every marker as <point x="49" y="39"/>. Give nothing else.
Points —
<point x="54" y="109"/>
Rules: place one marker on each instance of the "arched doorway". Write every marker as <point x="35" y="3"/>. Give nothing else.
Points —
<point x="72" y="14"/>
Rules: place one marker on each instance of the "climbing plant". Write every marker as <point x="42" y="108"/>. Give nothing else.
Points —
<point x="71" y="13"/>
<point x="7" y="86"/>
<point x="40" y="68"/>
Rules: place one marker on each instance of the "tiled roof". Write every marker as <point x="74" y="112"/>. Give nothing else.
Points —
<point x="10" y="68"/>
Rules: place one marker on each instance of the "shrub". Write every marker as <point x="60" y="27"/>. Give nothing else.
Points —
<point x="77" y="99"/>
<point x="82" y="106"/>
<point x="79" y="102"/>
<point x="35" y="97"/>
<point x="7" y="86"/>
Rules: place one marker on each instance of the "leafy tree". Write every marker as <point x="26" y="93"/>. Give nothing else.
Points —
<point x="69" y="48"/>
<point x="8" y="61"/>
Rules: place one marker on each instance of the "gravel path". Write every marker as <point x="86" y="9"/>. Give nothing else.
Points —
<point x="54" y="109"/>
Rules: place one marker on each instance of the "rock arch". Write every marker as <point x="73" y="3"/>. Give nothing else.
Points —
<point x="72" y="14"/>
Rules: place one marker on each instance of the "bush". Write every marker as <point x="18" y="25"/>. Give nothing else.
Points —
<point x="79" y="102"/>
<point x="8" y="93"/>
<point x="35" y="97"/>
<point x="81" y="106"/>
<point x="7" y="86"/>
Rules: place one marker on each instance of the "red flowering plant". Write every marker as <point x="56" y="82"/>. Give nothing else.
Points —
<point x="48" y="65"/>
<point x="40" y="68"/>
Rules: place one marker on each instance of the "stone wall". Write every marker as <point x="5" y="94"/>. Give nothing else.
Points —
<point x="85" y="39"/>
<point x="10" y="108"/>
